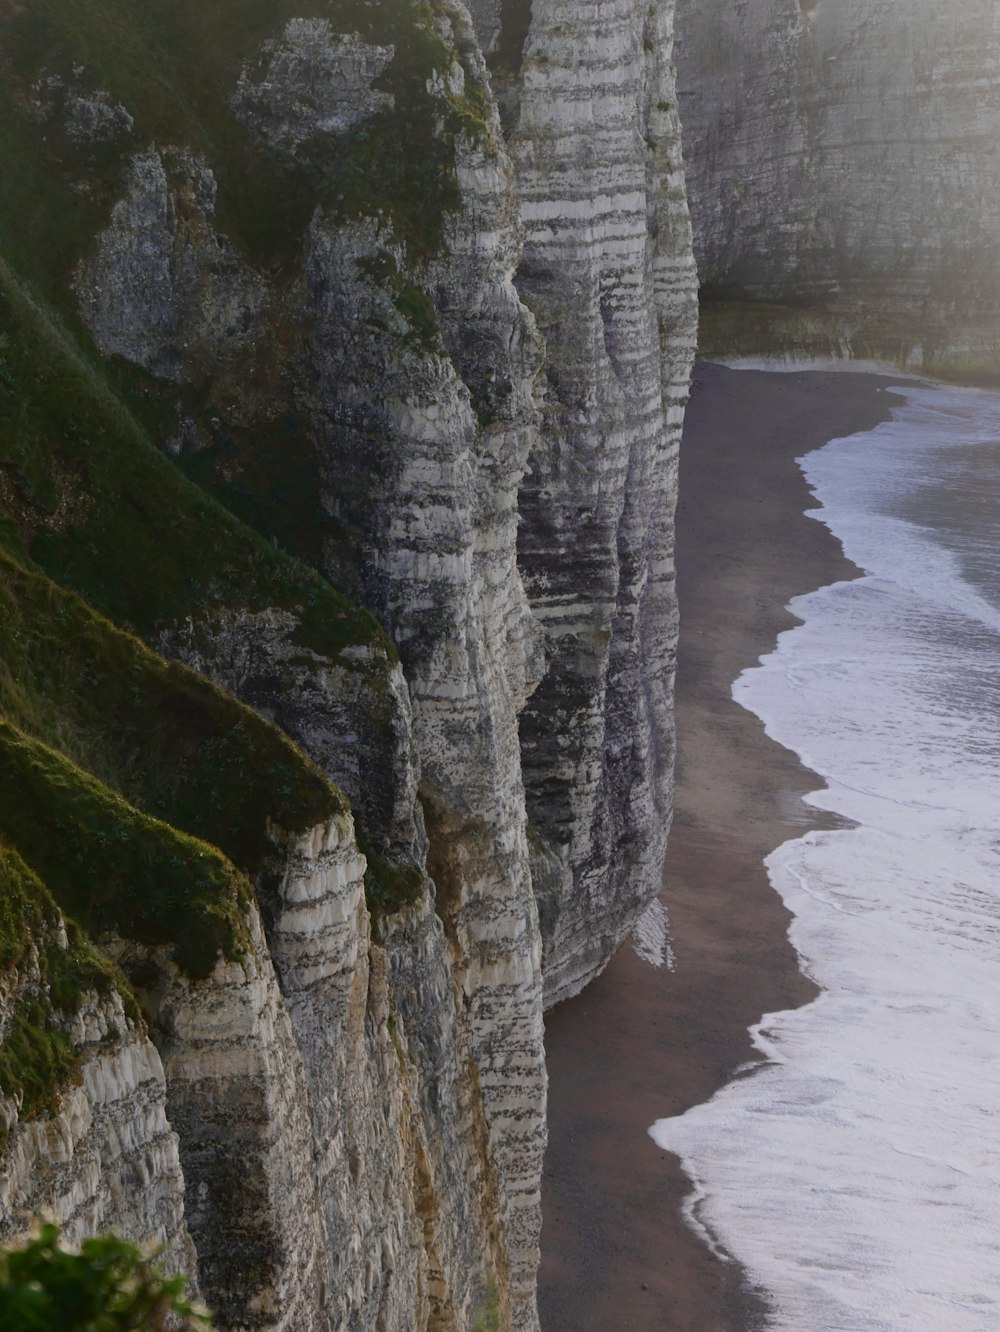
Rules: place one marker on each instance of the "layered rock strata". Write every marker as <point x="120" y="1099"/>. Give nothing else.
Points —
<point x="434" y="554"/>
<point x="407" y="1196"/>
<point x="843" y="170"/>
<point x="502" y="499"/>
<point x="237" y="1099"/>
<point x="423" y="440"/>
<point x="107" y="1156"/>
<point x="607" y="272"/>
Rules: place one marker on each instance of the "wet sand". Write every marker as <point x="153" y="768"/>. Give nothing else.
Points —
<point x="640" y="1043"/>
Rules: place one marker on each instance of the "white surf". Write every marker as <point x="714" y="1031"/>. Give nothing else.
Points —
<point x="856" y="1173"/>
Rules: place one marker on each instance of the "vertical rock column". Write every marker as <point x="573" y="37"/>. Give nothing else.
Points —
<point x="414" y="378"/>
<point x="337" y="996"/>
<point x="609" y="275"/>
<point x="425" y="436"/>
<point x="238" y="1100"/>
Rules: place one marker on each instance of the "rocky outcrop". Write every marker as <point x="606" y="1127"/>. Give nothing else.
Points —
<point x="349" y="710"/>
<point x="424" y="442"/>
<point x="400" y="1157"/>
<point x="842" y="168"/>
<point x="421" y="408"/>
<point x="336" y="1163"/>
<point x="237" y="1099"/>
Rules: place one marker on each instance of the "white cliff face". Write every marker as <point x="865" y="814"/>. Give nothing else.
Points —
<point x="608" y="275"/>
<point x="845" y="159"/>
<point x="159" y="259"/>
<point x="431" y="495"/>
<point x="408" y="1197"/>
<point x="339" y="1004"/>
<point x="494" y="420"/>
<point x="237" y="1098"/>
<point x="106" y="1155"/>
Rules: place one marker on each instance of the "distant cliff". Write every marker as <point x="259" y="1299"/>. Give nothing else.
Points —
<point x="844" y="175"/>
<point x="342" y="369"/>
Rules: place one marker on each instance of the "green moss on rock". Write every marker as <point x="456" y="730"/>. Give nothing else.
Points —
<point x="95" y="504"/>
<point x="114" y="869"/>
<point x="173" y="65"/>
<point x="37" y="1056"/>
<point x="389" y="886"/>
<point x="169" y="741"/>
<point x="88" y="500"/>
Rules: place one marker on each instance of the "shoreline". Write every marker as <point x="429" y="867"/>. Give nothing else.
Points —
<point x="640" y="1043"/>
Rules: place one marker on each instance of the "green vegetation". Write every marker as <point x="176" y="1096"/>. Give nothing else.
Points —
<point x="112" y="868"/>
<point x="79" y="489"/>
<point x="93" y="502"/>
<point x="388" y="887"/>
<point x="37" y="1056"/>
<point x="98" y="513"/>
<point x="173" y="64"/>
<point x="488" y="1320"/>
<point x="86" y="499"/>
<point x="139" y="795"/>
<point x="109" y="1286"/>
<point x="163" y="737"/>
<point x="410" y="301"/>
<point x="400" y="162"/>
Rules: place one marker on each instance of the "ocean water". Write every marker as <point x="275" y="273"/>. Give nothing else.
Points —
<point x="856" y="1173"/>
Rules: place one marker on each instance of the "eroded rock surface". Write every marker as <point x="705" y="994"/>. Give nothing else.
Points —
<point x="107" y="1156"/>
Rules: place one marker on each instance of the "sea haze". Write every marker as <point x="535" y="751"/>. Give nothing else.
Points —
<point x="856" y="1173"/>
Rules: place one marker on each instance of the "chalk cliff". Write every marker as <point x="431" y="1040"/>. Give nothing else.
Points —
<point x="607" y="272"/>
<point x="843" y="172"/>
<point x="106" y="1155"/>
<point x="345" y="364"/>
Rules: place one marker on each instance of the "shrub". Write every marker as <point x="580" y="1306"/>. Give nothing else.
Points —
<point x="109" y="1286"/>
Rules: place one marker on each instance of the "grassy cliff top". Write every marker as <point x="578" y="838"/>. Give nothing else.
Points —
<point x="112" y="868"/>
<point x="168" y="740"/>
<point x="88" y="498"/>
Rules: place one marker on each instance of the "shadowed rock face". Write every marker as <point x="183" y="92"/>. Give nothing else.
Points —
<point x="846" y="157"/>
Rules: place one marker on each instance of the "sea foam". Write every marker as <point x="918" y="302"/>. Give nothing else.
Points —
<point x="856" y="1173"/>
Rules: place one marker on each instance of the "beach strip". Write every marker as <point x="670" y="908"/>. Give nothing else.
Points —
<point x="643" y="1043"/>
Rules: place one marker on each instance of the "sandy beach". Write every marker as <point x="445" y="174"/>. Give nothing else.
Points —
<point x="641" y="1043"/>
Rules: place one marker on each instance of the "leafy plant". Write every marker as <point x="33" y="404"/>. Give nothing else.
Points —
<point x="109" y="1286"/>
